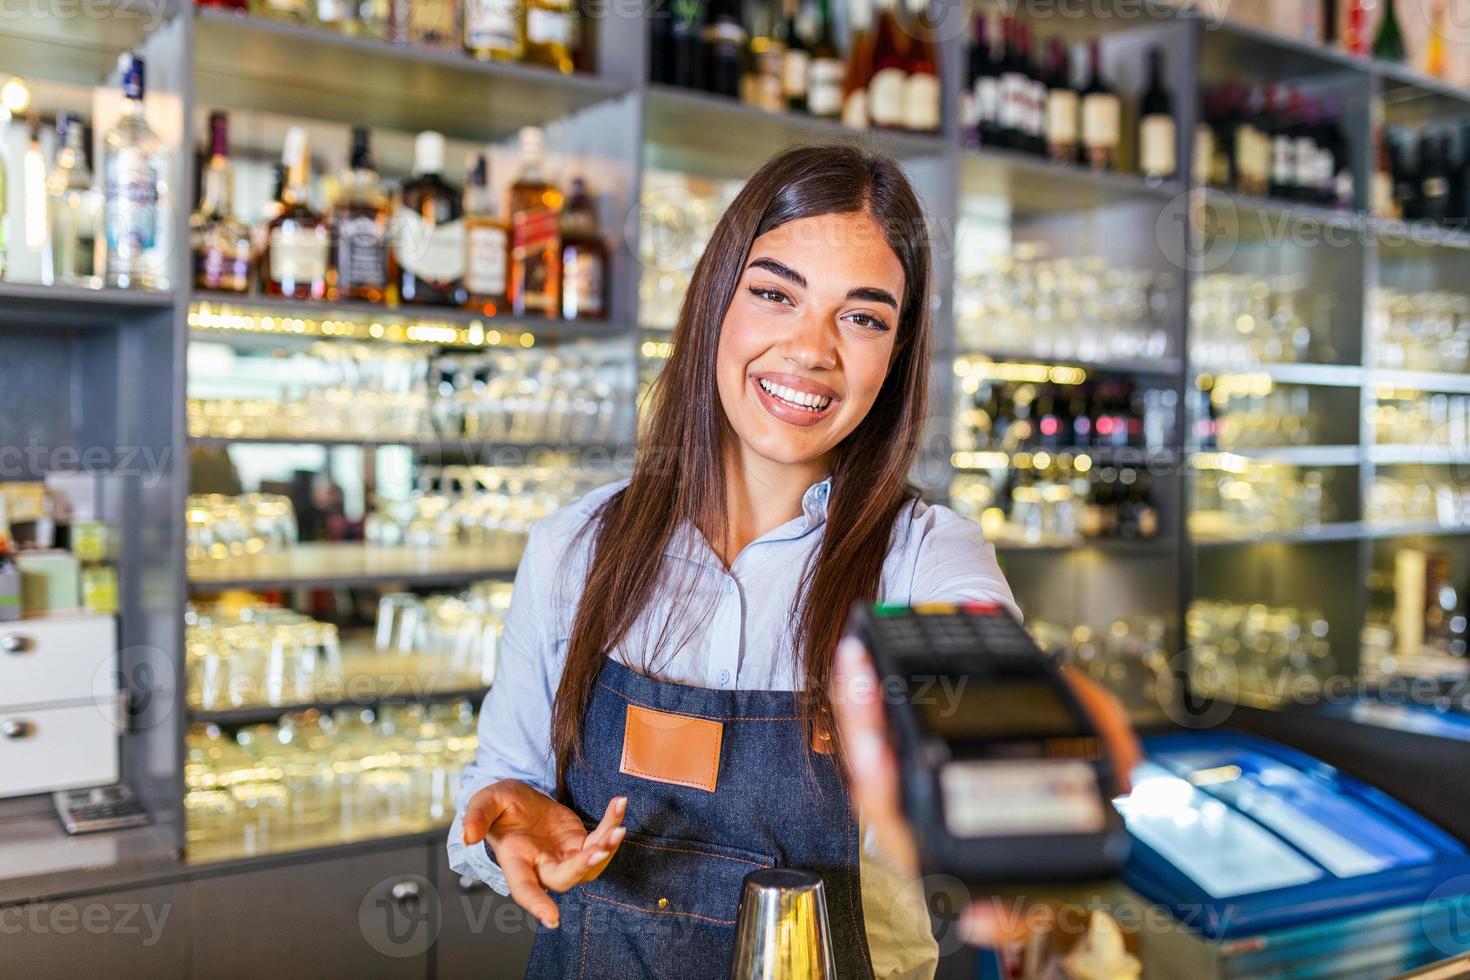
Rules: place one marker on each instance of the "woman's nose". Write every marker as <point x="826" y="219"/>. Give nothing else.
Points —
<point x="811" y="343"/>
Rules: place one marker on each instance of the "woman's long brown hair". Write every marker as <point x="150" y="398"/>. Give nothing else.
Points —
<point x="678" y="474"/>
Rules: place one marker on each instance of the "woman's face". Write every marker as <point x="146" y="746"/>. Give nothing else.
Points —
<point x="807" y="340"/>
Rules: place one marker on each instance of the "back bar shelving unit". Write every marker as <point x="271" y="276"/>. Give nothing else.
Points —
<point x="124" y="353"/>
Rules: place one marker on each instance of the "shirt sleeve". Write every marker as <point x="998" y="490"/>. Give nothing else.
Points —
<point x="955" y="563"/>
<point x="514" y="727"/>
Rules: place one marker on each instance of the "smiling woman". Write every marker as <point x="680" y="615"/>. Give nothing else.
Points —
<point x="667" y="655"/>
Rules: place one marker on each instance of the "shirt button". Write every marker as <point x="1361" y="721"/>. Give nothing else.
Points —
<point x="724" y="677"/>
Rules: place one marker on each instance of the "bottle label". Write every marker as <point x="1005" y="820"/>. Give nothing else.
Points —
<point x="1201" y="167"/>
<point x="298" y="253"/>
<point x="485" y="258"/>
<point x="1013" y="101"/>
<point x="433" y="251"/>
<point x="886" y="97"/>
<point x="1036" y="103"/>
<point x="582" y="281"/>
<point x="855" y="109"/>
<point x="921" y="102"/>
<point x="550" y="27"/>
<point x="987" y="100"/>
<point x="361" y="253"/>
<point x="1061" y="116"/>
<point x="824" y="87"/>
<point x="1100" y="121"/>
<point x="490" y="25"/>
<point x="1283" y="161"/>
<point x="1156" y="145"/>
<point x="533" y="241"/>
<point x="793" y="73"/>
<point x="131" y="194"/>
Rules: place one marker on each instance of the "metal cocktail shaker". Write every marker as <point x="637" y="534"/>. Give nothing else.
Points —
<point x="781" y="932"/>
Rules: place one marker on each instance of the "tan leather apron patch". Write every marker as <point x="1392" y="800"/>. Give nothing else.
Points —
<point x="670" y="748"/>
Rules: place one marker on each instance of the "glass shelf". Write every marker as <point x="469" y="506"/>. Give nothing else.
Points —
<point x="346" y="564"/>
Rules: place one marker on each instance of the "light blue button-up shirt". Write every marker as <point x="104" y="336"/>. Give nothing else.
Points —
<point x="733" y="633"/>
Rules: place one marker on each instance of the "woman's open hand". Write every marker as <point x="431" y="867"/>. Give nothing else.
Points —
<point x="873" y="771"/>
<point x="540" y="844"/>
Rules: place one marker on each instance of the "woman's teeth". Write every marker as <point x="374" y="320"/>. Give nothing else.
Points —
<point x="796" y="399"/>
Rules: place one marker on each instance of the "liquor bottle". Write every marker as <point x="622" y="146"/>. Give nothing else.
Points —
<point x="551" y="30"/>
<point x="583" y="259"/>
<point x="426" y="260"/>
<point x="921" y="72"/>
<point x="434" y="23"/>
<point x="534" y="207"/>
<point x="1436" y="61"/>
<point x="492" y="29"/>
<point x="1354" y="28"/>
<point x="1282" y="134"/>
<point x="224" y="255"/>
<point x="795" y="59"/>
<point x="1156" y="156"/>
<point x="297" y="240"/>
<point x="1014" y="87"/>
<point x="134" y="173"/>
<point x="486" y="243"/>
<point x="1406" y="185"/>
<point x="890" y="58"/>
<point x="984" y="127"/>
<point x="688" y="44"/>
<point x="1434" y="182"/>
<point x="1252" y="147"/>
<point x="725" y="41"/>
<point x="360" y="229"/>
<point x="859" y="67"/>
<point x="1205" y="147"/>
<point x="660" y="43"/>
<point x="1061" y="107"/>
<point x="764" y="88"/>
<point x="824" y="81"/>
<point x="1389" y="44"/>
<point x="1035" y="96"/>
<point x="1101" y="114"/>
<point x="74" y="207"/>
<point x="1381" y="200"/>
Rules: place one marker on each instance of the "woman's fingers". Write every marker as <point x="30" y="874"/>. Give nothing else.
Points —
<point x="527" y="892"/>
<point x="1111" y="719"/>
<point x="617" y="809"/>
<point x="480" y="814"/>
<point x="583" y="864"/>
<point x="615" y="838"/>
<point x="872" y="770"/>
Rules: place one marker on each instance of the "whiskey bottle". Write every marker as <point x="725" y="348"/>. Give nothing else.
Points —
<point x="223" y="251"/>
<point x="534" y="207"/>
<point x="583" y="259"/>
<point x="427" y="257"/>
<point x="492" y="29"/>
<point x="360" y="229"/>
<point x="74" y="207"/>
<point x="134" y="178"/>
<point x="294" y="262"/>
<point x="487" y="244"/>
<point x="551" y="28"/>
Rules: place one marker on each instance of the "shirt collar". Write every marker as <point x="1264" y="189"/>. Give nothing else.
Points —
<point x="686" y="542"/>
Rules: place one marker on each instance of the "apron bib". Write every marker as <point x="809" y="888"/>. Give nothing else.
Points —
<point x="719" y="784"/>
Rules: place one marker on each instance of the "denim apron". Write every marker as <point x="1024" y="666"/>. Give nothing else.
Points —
<point x="665" y="906"/>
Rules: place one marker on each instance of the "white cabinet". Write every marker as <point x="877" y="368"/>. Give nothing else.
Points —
<point x="59" y="747"/>
<point x="57" y="660"/>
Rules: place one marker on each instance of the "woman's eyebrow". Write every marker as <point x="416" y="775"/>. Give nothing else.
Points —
<point x="870" y="293"/>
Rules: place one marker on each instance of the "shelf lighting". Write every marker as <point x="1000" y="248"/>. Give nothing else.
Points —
<point x="974" y="370"/>
<point x="657" y="349"/>
<point x="1224" y="462"/>
<point x="991" y="459"/>
<point x="219" y="316"/>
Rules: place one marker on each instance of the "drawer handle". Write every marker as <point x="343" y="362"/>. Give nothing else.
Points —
<point x="406" y="893"/>
<point x="16" y="643"/>
<point x="17" y="729"/>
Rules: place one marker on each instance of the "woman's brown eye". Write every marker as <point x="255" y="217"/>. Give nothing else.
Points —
<point x="864" y="320"/>
<point x="773" y="295"/>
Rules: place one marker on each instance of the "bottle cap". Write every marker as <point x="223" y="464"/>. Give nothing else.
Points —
<point x="428" y="152"/>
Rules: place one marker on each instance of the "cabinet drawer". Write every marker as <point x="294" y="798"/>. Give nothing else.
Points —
<point x="45" y="661"/>
<point x="58" y="748"/>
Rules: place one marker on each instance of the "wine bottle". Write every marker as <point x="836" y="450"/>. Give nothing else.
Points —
<point x="921" y="72"/>
<point x="1035" y="96"/>
<point x="1101" y="114"/>
<point x="1156" y="138"/>
<point x="688" y="61"/>
<point x="795" y="60"/>
<point x="1388" y="45"/>
<point x="1283" y="156"/>
<point x="824" y="76"/>
<point x="984" y="86"/>
<point x="724" y="40"/>
<point x="890" y="56"/>
<point x="859" y="67"/>
<point x="1014" y="87"/>
<point x="1061" y="107"/>
<point x="1434" y="180"/>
